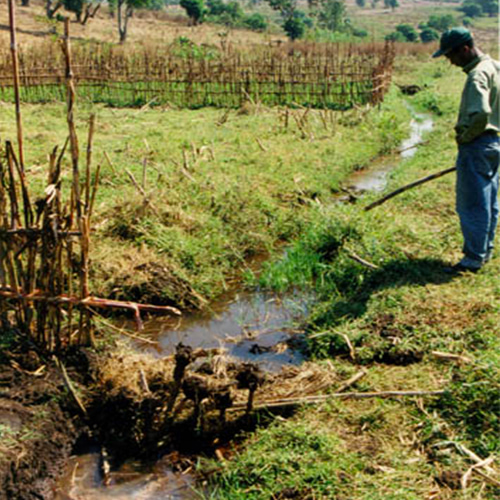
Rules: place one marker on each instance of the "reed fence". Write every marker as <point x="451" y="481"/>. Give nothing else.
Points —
<point x="335" y="76"/>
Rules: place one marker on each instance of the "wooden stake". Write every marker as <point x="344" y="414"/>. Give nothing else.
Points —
<point x="15" y="68"/>
<point x="89" y="161"/>
<point x="71" y="100"/>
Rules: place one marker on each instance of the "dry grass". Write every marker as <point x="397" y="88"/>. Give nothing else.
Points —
<point x="147" y="26"/>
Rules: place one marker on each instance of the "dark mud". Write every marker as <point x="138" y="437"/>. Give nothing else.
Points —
<point x="38" y="426"/>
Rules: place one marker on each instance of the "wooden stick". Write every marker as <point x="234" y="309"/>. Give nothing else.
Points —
<point x="464" y="450"/>
<point x="123" y="331"/>
<point x="15" y="68"/>
<point x="344" y="395"/>
<point x="110" y="163"/>
<point x="147" y="201"/>
<point x="409" y="186"/>
<point x="89" y="161"/>
<point x="451" y="357"/>
<point x="94" y="190"/>
<point x="361" y="261"/>
<point x="69" y="385"/>
<point x="28" y="212"/>
<point x="484" y="463"/>
<point x="90" y="301"/>
<point x="352" y="380"/>
<point x="71" y="99"/>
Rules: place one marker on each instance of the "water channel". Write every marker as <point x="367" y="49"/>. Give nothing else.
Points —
<point x="252" y="326"/>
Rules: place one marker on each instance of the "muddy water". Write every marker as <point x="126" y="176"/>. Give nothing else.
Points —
<point x="83" y="480"/>
<point x="252" y="326"/>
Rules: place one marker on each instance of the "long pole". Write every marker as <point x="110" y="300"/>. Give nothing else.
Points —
<point x="409" y="186"/>
<point x="15" y="67"/>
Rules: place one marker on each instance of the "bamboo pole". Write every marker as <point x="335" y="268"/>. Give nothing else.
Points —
<point x="15" y="70"/>
<point x="407" y="187"/>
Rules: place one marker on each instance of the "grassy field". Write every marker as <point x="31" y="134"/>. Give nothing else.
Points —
<point x="221" y="185"/>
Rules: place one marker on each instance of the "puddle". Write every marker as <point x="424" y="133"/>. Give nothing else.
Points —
<point x="84" y="480"/>
<point x="252" y="326"/>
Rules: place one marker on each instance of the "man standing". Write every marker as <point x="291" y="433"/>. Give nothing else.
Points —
<point x="478" y="158"/>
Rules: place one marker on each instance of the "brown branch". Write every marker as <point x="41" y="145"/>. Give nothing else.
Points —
<point x="408" y="186"/>
<point x="279" y="403"/>
<point x="69" y="385"/>
<point x="38" y="296"/>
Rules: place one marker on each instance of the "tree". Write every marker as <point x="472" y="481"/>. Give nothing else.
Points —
<point x="124" y="10"/>
<point x="195" y="9"/>
<point x="471" y="9"/>
<point x="408" y="31"/>
<point x="361" y="3"/>
<point x="332" y="15"/>
<point x="489" y="7"/>
<point x="391" y="4"/>
<point x="52" y="6"/>
<point x="256" y="22"/>
<point x="83" y="9"/>
<point x="294" y="27"/>
<point x="294" y="20"/>
<point x="395" y="36"/>
<point x="285" y="7"/>
<point x="428" y="35"/>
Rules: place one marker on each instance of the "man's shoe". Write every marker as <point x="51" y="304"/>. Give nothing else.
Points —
<point x="465" y="265"/>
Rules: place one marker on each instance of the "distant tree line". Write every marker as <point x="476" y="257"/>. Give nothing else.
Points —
<point x="327" y="16"/>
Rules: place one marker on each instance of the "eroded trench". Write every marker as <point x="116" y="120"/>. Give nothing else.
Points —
<point x="253" y="328"/>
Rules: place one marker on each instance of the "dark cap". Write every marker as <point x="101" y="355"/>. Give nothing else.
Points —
<point x="452" y="39"/>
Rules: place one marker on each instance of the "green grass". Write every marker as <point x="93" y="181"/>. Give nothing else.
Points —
<point x="222" y="185"/>
<point x="220" y="197"/>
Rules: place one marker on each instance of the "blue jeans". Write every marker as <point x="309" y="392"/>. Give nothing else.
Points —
<point x="477" y="194"/>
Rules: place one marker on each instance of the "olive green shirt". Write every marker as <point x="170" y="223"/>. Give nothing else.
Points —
<point x="480" y="103"/>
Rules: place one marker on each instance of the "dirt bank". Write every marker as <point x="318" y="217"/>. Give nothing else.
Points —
<point x="37" y="423"/>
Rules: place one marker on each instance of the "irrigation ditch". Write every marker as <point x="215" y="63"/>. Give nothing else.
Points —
<point x="191" y="386"/>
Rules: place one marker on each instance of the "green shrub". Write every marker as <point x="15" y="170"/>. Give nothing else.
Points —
<point x="408" y="31"/>
<point x="256" y="22"/>
<point x="429" y="35"/>
<point x="294" y="28"/>
<point x="195" y="9"/>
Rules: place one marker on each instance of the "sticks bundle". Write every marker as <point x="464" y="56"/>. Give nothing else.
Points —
<point x="45" y="244"/>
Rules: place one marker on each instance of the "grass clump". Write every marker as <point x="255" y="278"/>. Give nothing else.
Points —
<point x="472" y="406"/>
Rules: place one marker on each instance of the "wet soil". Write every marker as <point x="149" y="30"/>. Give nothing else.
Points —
<point x="38" y="426"/>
